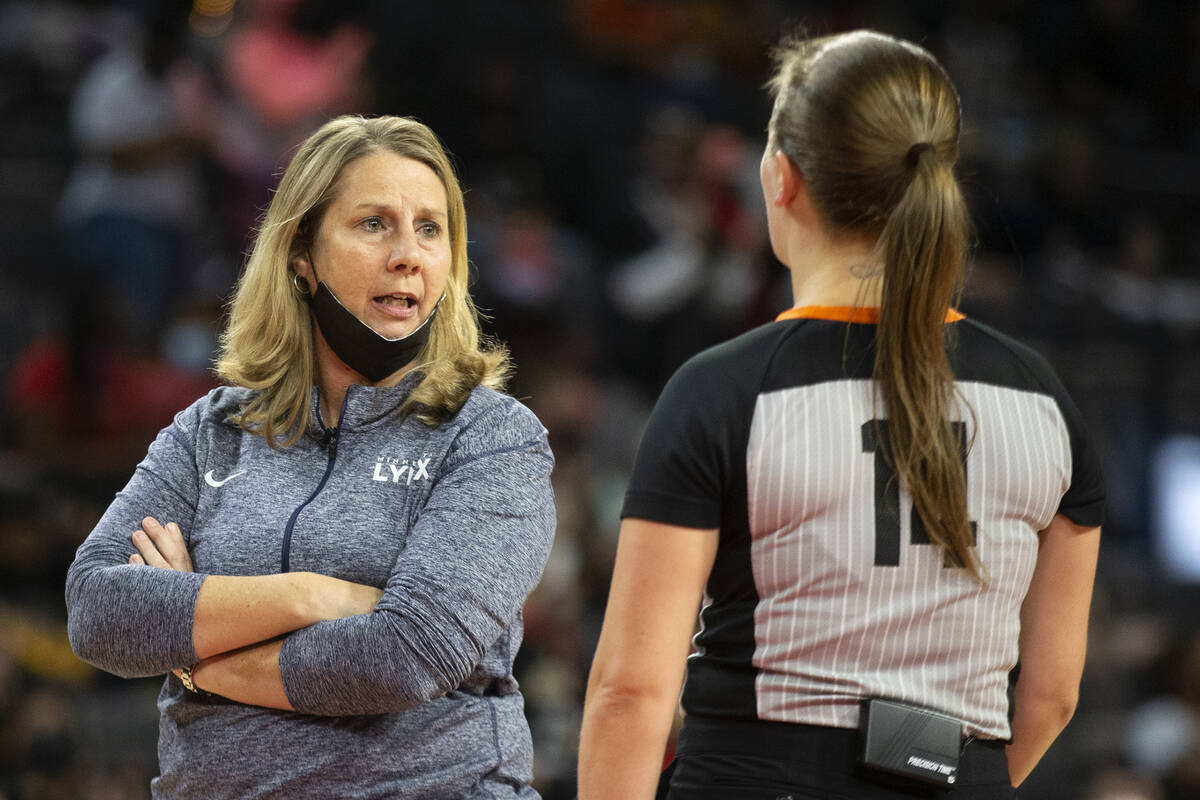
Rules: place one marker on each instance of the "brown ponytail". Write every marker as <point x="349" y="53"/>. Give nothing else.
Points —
<point x="872" y="124"/>
<point x="922" y="247"/>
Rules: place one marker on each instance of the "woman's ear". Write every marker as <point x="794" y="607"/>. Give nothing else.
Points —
<point x="301" y="265"/>
<point x="790" y="179"/>
<point x="793" y="192"/>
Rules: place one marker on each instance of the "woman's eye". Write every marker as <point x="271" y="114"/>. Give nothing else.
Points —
<point x="430" y="229"/>
<point x="372" y="224"/>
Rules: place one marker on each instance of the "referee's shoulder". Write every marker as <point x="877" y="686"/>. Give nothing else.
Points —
<point x="718" y="374"/>
<point x="754" y="346"/>
<point x="989" y="349"/>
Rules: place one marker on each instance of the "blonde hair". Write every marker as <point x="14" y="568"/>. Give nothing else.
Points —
<point x="268" y="344"/>
<point x="872" y="123"/>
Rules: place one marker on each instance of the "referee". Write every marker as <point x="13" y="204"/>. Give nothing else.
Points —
<point x="885" y="506"/>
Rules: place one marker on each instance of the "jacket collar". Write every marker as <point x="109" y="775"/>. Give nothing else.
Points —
<point x="364" y="406"/>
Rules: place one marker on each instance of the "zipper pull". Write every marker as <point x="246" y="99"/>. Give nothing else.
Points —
<point x="329" y="441"/>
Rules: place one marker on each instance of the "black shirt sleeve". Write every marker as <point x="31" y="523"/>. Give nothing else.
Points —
<point x="1084" y="500"/>
<point x="693" y="445"/>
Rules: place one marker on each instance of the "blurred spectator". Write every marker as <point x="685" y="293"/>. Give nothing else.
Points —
<point x="533" y="275"/>
<point x="280" y="70"/>
<point x="706" y="276"/>
<point x="135" y="195"/>
<point x="84" y="407"/>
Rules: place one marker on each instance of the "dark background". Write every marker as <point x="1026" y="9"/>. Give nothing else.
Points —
<point x="609" y="150"/>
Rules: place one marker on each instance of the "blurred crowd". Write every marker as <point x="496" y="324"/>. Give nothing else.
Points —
<point x="609" y="150"/>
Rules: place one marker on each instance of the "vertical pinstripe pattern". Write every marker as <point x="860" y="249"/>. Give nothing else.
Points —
<point x="831" y="626"/>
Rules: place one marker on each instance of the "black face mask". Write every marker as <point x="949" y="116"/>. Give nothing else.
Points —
<point x="362" y="349"/>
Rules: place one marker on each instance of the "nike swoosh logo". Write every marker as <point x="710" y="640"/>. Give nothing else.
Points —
<point x="217" y="484"/>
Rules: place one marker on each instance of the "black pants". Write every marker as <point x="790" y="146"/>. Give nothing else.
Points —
<point x="735" y="760"/>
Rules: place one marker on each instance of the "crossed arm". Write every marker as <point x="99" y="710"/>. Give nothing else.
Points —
<point x="238" y="621"/>
<point x="306" y="641"/>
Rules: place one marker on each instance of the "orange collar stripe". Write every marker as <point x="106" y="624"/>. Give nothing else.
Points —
<point x="861" y="314"/>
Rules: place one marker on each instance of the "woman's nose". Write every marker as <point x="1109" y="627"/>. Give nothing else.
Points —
<point x="406" y="253"/>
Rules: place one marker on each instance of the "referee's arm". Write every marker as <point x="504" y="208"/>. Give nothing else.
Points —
<point x="1053" y="643"/>
<point x="633" y="688"/>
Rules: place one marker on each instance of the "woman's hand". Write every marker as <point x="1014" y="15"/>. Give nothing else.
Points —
<point x="160" y="546"/>
<point x="237" y="611"/>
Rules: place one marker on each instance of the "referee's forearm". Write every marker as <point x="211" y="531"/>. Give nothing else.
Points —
<point x="622" y="743"/>
<point x="1038" y="718"/>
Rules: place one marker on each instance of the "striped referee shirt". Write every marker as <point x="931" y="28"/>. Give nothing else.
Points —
<point x="825" y="588"/>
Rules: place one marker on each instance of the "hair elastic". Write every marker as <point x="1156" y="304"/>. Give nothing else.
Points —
<point x="914" y="153"/>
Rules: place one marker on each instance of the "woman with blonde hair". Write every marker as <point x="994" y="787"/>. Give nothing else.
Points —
<point x="885" y="505"/>
<point x="330" y="555"/>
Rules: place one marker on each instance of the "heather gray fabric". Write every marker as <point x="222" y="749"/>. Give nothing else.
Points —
<point x="415" y="700"/>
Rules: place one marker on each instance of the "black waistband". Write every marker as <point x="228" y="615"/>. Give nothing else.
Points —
<point x="782" y="741"/>
<point x="711" y="750"/>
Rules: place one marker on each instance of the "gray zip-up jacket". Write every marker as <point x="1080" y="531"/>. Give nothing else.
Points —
<point x="415" y="700"/>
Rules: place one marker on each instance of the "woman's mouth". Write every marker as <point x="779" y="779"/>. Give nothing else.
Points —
<point x="389" y="299"/>
<point x="401" y="306"/>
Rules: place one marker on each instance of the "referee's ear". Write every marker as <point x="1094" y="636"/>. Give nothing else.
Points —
<point x="789" y="180"/>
